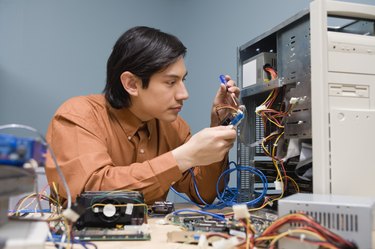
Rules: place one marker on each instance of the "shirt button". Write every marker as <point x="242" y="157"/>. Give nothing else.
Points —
<point x="141" y="151"/>
<point x="129" y="138"/>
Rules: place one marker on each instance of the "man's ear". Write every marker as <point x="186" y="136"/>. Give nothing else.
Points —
<point x="129" y="82"/>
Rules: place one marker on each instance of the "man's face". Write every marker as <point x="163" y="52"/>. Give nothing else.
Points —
<point x="163" y="99"/>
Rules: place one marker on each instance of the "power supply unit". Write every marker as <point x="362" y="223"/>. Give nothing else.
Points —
<point x="351" y="217"/>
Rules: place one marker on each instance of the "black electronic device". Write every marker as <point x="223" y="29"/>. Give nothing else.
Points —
<point x="162" y="207"/>
<point x="111" y="209"/>
<point x="126" y="233"/>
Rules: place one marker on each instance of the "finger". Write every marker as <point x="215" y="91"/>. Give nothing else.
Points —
<point x="233" y="89"/>
<point x="230" y="83"/>
<point x="222" y="128"/>
<point x="227" y="134"/>
<point x="227" y="78"/>
<point x="221" y="92"/>
<point x="223" y="88"/>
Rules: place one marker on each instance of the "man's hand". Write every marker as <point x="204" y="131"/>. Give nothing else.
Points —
<point x="207" y="146"/>
<point x="227" y="94"/>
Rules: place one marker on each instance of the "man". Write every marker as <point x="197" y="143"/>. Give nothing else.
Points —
<point x="132" y="137"/>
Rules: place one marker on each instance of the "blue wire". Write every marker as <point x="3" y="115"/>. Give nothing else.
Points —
<point x="22" y="211"/>
<point x="196" y="188"/>
<point x="185" y="198"/>
<point x="244" y="168"/>
<point x="224" y="200"/>
<point x="219" y="217"/>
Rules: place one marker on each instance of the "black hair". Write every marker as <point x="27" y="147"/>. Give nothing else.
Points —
<point x="142" y="51"/>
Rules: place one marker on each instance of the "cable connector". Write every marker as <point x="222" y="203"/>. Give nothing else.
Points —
<point x="302" y="237"/>
<point x="293" y="100"/>
<point x="241" y="211"/>
<point x="203" y="242"/>
<point x="237" y="119"/>
<point x="260" y="108"/>
<point x="230" y="243"/>
<point x="278" y="185"/>
<point x="74" y="212"/>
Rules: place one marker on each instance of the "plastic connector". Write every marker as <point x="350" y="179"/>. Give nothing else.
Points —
<point x="293" y="100"/>
<point x="260" y="108"/>
<point x="74" y="212"/>
<point x="230" y="243"/>
<point x="237" y="119"/>
<point x="278" y="185"/>
<point x="203" y="242"/>
<point x="241" y="211"/>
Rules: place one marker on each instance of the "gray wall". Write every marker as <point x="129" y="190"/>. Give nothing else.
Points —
<point x="51" y="50"/>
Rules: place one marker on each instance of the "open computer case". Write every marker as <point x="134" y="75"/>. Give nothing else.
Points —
<point x="308" y="86"/>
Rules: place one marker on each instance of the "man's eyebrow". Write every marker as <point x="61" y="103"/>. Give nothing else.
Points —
<point x="175" y="75"/>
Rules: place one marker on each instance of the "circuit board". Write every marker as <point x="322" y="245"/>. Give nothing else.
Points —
<point x="195" y="224"/>
<point x="126" y="233"/>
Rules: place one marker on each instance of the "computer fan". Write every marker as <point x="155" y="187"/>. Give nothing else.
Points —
<point x="109" y="209"/>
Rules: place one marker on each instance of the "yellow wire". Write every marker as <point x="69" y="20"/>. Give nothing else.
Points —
<point x="248" y="234"/>
<point x="125" y="205"/>
<point x="119" y="205"/>
<point x="258" y="208"/>
<point x="269" y="96"/>
<point x="276" y="124"/>
<point x="294" y="182"/>
<point x="20" y="205"/>
<point x="66" y="223"/>
<point x="57" y="193"/>
<point x="274" y="154"/>
<point x="301" y="231"/>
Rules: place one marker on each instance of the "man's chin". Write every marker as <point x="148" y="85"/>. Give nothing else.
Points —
<point x="169" y="118"/>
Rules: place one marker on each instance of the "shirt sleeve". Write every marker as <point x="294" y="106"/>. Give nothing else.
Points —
<point x="80" y="148"/>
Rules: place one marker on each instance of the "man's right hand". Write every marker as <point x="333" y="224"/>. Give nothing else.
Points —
<point x="205" y="147"/>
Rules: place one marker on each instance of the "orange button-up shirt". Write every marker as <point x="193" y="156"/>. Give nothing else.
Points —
<point x="100" y="148"/>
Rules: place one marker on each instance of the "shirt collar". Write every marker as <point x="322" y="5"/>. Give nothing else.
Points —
<point x="131" y="123"/>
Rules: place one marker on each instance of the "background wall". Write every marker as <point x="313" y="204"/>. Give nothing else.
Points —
<point x="51" y="50"/>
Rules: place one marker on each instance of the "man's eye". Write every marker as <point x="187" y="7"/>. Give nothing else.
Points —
<point x="171" y="82"/>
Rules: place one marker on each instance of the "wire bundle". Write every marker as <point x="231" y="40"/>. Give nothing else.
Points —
<point x="276" y="117"/>
<point x="228" y="196"/>
<point x="296" y="226"/>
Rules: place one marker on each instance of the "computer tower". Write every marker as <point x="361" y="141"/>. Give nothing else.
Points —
<point x="315" y="116"/>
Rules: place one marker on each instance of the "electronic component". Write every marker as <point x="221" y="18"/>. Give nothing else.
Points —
<point x="16" y="180"/>
<point x="260" y="220"/>
<point x="241" y="211"/>
<point x="253" y="69"/>
<point x="17" y="151"/>
<point x="347" y="216"/>
<point x="162" y="207"/>
<point x="191" y="237"/>
<point x="236" y="120"/>
<point x="130" y="232"/>
<point x="109" y="209"/>
<point x="233" y="119"/>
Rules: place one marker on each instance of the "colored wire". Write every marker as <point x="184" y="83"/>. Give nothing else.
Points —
<point x="214" y="215"/>
<point x="222" y="201"/>
<point x="61" y="175"/>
